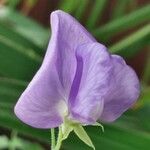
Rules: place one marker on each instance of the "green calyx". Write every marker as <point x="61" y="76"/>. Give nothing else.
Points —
<point x="68" y="126"/>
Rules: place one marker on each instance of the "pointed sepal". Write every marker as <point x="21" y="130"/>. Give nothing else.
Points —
<point x="66" y="130"/>
<point x="81" y="133"/>
<point x="99" y="125"/>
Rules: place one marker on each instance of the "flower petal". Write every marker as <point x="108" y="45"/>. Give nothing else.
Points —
<point x="123" y="91"/>
<point x="69" y="35"/>
<point x="90" y="83"/>
<point x="39" y="105"/>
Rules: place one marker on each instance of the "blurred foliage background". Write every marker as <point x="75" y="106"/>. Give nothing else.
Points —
<point x="122" y="25"/>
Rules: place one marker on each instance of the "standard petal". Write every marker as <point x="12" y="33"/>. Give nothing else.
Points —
<point x="69" y="34"/>
<point x="123" y="91"/>
<point x="43" y="103"/>
<point x="90" y="83"/>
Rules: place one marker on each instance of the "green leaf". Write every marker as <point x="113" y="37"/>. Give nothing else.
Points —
<point x="135" y="48"/>
<point x="119" y="25"/>
<point x="10" y="90"/>
<point x="134" y="38"/>
<point x="13" y="3"/>
<point x="31" y="3"/>
<point x="120" y="9"/>
<point x="19" y="48"/>
<point x="24" y="26"/>
<point x="69" y="5"/>
<point x="81" y="133"/>
<point x="146" y="73"/>
<point x="96" y="13"/>
<point x="22" y="62"/>
<point x="81" y="8"/>
<point x="13" y="36"/>
<point x="144" y="97"/>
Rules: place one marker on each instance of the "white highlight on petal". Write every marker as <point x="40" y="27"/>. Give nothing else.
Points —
<point x="62" y="108"/>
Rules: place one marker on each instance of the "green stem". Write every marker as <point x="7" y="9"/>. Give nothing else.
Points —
<point x="59" y="140"/>
<point x="52" y="139"/>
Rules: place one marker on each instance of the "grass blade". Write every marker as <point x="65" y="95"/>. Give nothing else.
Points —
<point x="22" y="63"/>
<point x="96" y="13"/>
<point x="130" y="40"/>
<point x="146" y="73"/>
<point x="81" y="8"/>
<point x="13" y="3"/>
<point x="10" y="90"/>
<point x="133" y="19"/>
<point x="120" y="8"/>
<point x="18" y="39"/>
<point x="24" y="26"/>
<point x="69" y="5"/>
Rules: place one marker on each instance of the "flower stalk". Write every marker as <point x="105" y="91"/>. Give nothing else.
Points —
<point x="59" y="140"/>
<point x="52" y="138"/>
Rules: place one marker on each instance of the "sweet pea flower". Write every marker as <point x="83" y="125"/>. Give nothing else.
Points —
<point x="78" y="82"/>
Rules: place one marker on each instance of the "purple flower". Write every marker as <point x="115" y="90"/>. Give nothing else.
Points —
<point x="79" y="80"/>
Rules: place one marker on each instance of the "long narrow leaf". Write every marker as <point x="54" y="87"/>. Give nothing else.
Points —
<point x="69" y="5"/>
<point x="22" y="63"/>
<point x="96" y="13"/>
<point x="13" y="3"/>
<point x="133" y="19"/>
<point x="24" y="26"/>
<point x="10" y="90"/>
<point x="16" y="38"/>
<point x="81" y="8"/>
<point x="130" y="40"/>
<point x="120" y="9"/>
<point x="146" y="73"/>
